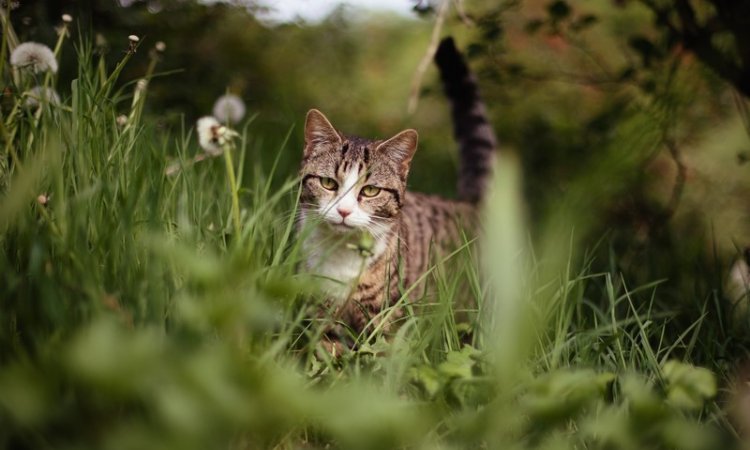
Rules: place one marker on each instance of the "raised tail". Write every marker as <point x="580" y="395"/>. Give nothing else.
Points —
<point x="473" y="132"/>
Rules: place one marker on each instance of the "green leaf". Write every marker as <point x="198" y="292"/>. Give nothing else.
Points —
<point x="645" y="406"/>
<point x="428" y="379"/>
<point x="561" y="395"/>
<point x="459" y="364"/>
<point x="688" y="387"/>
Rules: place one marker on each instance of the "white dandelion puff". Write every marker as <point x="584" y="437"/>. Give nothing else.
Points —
<point x="34" y="56"/>
<point x="213" y="136"/>
<point x="40" y="94"/>
<point x="229" y="109"/>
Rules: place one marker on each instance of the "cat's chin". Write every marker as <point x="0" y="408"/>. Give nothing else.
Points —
<point x="341" y="228"/>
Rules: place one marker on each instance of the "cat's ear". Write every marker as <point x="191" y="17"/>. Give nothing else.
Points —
<point x="319" y="131"/>
<point x="401" y="147"/>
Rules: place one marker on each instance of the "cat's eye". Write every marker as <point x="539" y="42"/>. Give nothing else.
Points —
<point x="370" y="191"/>
<point x="329" y="183"/>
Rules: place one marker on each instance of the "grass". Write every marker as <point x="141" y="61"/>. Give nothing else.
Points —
<point x="137" y="310"/>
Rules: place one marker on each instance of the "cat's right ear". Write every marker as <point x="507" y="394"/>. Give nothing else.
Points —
<point x="319" y="132"/>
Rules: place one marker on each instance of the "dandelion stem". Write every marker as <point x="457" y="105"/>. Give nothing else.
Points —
<point x="233" y="189"/>
<point x="60" y="39"/>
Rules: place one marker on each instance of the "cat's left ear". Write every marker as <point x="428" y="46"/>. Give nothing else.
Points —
<point x="401" y="148"/>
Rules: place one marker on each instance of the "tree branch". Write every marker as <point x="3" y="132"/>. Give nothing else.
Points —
<point x="697" y="39"/>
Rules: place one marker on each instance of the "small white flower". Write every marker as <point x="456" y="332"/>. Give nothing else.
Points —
<point x="213" y="136"/>
<point x="133" y="38"/>
<point x="40" y="94"/>
<point x="37" y="57"/>
<point x="121" y="120"/>
<point x="229" y="109"/>
<point x="67" y="18"/>
<point x="42" y="199"/>
<point x="160" y="46"/>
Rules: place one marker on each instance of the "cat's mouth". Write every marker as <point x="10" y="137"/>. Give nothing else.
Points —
<point x="341" y="227"/>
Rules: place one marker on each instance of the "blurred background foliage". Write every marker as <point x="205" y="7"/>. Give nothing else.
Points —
<point x="629" y="123"/>
<point x="558" y="77"/>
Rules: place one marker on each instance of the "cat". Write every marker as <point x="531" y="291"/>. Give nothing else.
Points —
<point x="354" y="190"/>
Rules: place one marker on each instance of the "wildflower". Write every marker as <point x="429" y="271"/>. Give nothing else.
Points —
<point x="229" y="109"/>
<point x="133" y="39"/>
<point x="40" y="94"/>
<point x="122" y="120"/>
<point x="42" y="199"/>
<point x="37" y="57"/>
<point x="213" y="136"/>
<point x="67" y="18"/>
<point x="160" y="46"/>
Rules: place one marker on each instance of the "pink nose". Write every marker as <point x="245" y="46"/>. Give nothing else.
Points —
<point x="343" y="212"/>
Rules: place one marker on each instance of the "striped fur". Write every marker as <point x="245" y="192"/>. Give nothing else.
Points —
<point x="471" y="128"/>
<point x="339" y="172"/>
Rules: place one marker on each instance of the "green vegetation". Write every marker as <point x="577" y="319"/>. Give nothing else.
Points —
<point x="135" y="312"/>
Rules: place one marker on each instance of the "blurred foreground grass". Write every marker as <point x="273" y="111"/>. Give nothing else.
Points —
<point x="133" y="315"/>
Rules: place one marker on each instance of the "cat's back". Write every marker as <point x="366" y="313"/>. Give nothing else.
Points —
<point x="432" y="225"/>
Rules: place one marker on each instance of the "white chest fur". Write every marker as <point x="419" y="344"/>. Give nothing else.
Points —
<point x="332" y="259"/>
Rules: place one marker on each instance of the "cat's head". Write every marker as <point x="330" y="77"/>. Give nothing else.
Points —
<point x="353" y="183"/>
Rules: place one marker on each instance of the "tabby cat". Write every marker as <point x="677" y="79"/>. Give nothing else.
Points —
<point x="354" y="189"/>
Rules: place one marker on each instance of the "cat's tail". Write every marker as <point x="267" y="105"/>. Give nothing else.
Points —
<point x="471" y="128"/>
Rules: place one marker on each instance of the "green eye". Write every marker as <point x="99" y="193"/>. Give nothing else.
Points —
<point x="329" y="183"/>
<point x="370" y="191"/>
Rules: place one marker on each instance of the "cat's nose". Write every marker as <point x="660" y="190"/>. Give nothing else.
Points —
<point x="344" y="212"/>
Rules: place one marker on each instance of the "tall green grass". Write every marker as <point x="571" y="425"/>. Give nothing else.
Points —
<point x="135" y="314"/>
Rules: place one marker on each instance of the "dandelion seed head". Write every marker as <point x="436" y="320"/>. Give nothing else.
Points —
<point x="34" y="56"/>
<point x="208" y="138"/>
<point x="229" y="109"/>
<point x="67" y="18"/>
<point x="213" y="136"/>
<point x="40" y="94"/>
